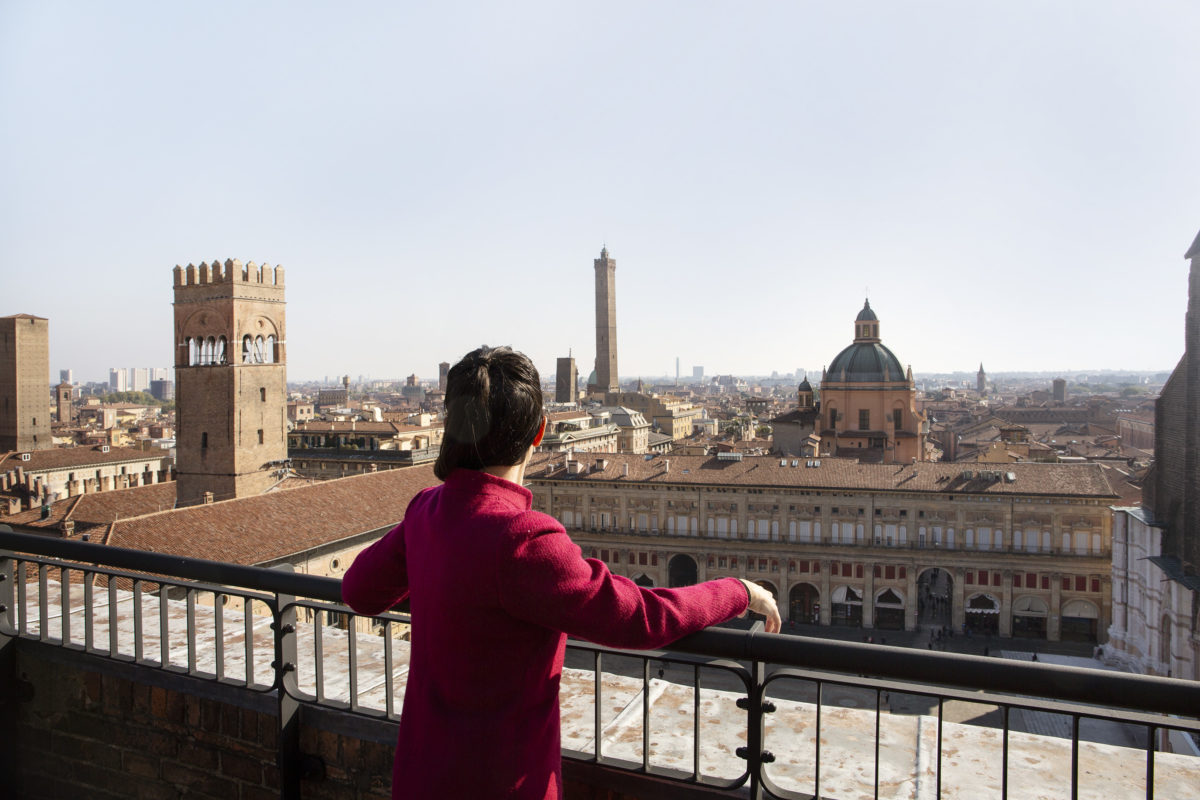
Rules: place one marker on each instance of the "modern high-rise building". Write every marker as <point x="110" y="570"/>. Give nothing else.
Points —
<point x="139" y="379"/>
<point x="66" y="376"/>
<point x="118" y="380"/>
<point x="566" y="381"/>
<point x="230" y="380"/>
<point x="606" y="324"/>
<point x="1060" y="390"/>
<point x="24" y="383"/>
<point x="697" y="373"/>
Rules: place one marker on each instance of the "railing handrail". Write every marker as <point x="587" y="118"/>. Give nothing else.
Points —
<point x="982" y="673"/>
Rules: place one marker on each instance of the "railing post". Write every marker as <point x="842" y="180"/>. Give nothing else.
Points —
<point x="756" y="706"/>
<point x="288" y="758"/>
<point x="8" y="667"/>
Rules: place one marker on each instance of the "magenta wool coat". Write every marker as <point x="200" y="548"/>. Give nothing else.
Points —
<point x="494" y="587"/>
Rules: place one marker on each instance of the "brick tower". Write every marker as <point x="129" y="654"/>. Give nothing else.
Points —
<point x="606" y="324"/>
<point x="230" y="380"/>
<point x="24" y="383"/>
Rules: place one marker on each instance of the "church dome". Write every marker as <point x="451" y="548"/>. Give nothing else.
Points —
<point x="865" y="362"/>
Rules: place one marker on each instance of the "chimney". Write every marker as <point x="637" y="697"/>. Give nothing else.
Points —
<point x="666" y="465"/>
<point x="208" y="498"/>
<point x="625" y="470"/>
<point x="68" y="527"/>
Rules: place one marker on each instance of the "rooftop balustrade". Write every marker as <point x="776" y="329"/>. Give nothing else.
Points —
<point x="724" y="712"/>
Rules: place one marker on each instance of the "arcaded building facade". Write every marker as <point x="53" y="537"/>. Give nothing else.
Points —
<point x="1021" y="552"/>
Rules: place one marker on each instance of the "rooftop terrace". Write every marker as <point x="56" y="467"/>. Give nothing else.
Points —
<point x="122" y="667"/>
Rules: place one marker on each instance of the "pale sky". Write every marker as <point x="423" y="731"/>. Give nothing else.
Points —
<point x="1013" y="183"/>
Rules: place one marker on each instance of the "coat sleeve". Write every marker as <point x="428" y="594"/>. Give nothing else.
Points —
<point x="544" y="579"/>
<point x="378" y="578"/>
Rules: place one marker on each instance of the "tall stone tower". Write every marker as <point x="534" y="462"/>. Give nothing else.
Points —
<point x="566" y="381"/>
<point x="24" y="383"/>
<point x="230" y="380"/>
<point x="981" y="380"/>
<point x="606" y="324"/>
<point x="63" y="395"/>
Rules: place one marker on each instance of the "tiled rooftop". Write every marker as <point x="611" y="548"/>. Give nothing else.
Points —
<point x="1075" y="480"/>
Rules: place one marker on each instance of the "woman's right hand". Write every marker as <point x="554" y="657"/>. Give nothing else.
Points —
<point x="763" y="602"/>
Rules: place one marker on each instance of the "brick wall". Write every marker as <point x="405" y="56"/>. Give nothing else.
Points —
<point x="85" y="726"/>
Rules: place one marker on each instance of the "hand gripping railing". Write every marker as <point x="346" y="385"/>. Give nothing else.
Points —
<point x="769" y="671"/>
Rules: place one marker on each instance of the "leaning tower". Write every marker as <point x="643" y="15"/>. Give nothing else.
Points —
<point x="230" y="380"/>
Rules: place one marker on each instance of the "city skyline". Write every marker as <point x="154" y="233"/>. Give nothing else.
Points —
<point x="1010" y="197"/>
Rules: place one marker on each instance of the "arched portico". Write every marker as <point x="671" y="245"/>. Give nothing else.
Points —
<point x="682" y="571"/>
<point x="1080" y="621"/>
<point x="889" y="609"/>
<point x="983" y="613"/>
<point x="846" y="605"/>
<point x="804" y="603"/>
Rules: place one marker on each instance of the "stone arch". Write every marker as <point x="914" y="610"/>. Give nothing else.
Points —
<point x="1079" y="621"/>
<point x="1029" y="615"/>
<point x="846" y="606"/>
<point x="889" y="609"/>
<point x="644" y="580"/>
<point x="804" y="603"/>
<point x="983" y="613"/>
<point x="682" y="571"/>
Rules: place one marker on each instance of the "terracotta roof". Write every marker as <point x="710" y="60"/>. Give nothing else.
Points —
<point x="1078" y="480"/>
<point x="273" y="526"/>
<point x="100" y="508"/>
<point x="66" y="457"/>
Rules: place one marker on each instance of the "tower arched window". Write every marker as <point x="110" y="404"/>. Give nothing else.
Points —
<point x="247" y="349"/>
<point x="219" y="356"/>
<point x="269" y="350"/>
<point x="206" y="354"/>
<point x="191" y="352"/>
<point x="258" y="350"/>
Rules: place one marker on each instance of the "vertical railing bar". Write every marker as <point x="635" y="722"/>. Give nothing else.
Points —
<point x="219" y="634"/>
<point x="1150" y="733"/>
<point x="89" y="631"/>
<point x="597" y="663"/>
<point x="938" y="782"/>
<point x="1074" y="757"/>
<point x="64" y="598"/>
<point x="248" y="644"/>
<point x="1004" y="754"/>
<point x="389" y="690"/>
<point x="114" y="647"/>
<point x="817" y="739"/>
<point x="164" y="644"/>
<point x="695" y="722"/>
<point x="352" y="644"/>
<point x="43" y="604"/>
<point x="139" y="646"/>
<point x="878" y="712"/>
<point x="22" y="598"/>
<point x="645" y="714"/>
<point x="319" y="654"/>
<point x="191" y="632"/>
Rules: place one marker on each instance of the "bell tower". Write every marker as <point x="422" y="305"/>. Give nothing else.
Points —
<point x="230" y="380"/>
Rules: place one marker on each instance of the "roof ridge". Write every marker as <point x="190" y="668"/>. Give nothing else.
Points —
<point x="78" y="499"/>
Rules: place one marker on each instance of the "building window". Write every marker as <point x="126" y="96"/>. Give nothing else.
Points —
<point x="262" y="394"/>
<point x="897" y="418"/>
<point x="864" y="419"/>
<point x="260" y="436"/>
<point x="203" y="440"/>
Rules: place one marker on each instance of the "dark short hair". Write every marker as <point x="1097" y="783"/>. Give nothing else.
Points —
<point x="493" y="410"/>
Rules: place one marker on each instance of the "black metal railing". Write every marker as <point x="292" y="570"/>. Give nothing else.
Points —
<point x="782" y="716"/>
